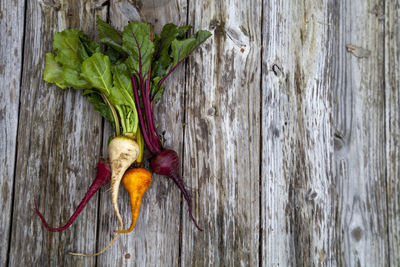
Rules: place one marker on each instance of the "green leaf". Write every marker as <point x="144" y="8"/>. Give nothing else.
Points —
<point x="89" y="91"/>
<point x="169" y="33"/>
<point x="97" y="71"/>
<point x="201" y="36"/>
<point x="156" y="93"/>
<point x="182" y="48"/>
<point x="110" y="36"/>
<point x="67" y="45"/>
<point x="122" y="90"/>
<point x="73" y="78"/>
<point x="105" y="30"/>
<point x="88" y="47"/>
<point x="136" y="40"/>
<point x="116" y="86"/>
<point x="113" y="55"/>
<point x="53" y="72"/>
<point x="121" y="77"/>
<point x="101" y="107"/>
<point x="71" y="47"/>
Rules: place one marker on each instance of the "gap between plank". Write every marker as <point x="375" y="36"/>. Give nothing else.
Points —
<point x="260" y="232"/>
<point x="99" y="197"/>
<point x="7" y="263"/>
<point x="101" y="154"/>
<point x="183" y="148"/>
<point x="386" y="131"/>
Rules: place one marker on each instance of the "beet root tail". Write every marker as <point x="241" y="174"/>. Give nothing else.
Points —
<point x="167" y="163"/>
<point x="179" y="182"/>
<point x="102" y="177"/>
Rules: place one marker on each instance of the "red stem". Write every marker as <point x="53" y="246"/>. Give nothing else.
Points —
<point x="147" y="131"/>
<point x="153" y="129"/>
<point x="144" y="131"/>
<point x="150" y="120"/>
<point x="147" y="112"/>
<point x="172" y="69"/>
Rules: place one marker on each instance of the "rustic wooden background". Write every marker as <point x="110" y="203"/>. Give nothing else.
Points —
<point x="287" y="121"/>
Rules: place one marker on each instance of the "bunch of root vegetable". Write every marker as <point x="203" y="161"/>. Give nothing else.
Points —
<point x="124" y="82"/>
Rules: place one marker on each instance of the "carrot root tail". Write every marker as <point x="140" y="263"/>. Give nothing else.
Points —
<point x="98" y="253"/>
<point x="135" y="206"/>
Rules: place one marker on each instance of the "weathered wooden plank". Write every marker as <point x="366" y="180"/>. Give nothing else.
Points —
<point x="11" y="32"/>
<point x="391" y="13"/>
<point x="155" y="239"/>
<point x="328" y="124"/>
<point x="359" y="124"/>
<point x="222" y="136"/>
<point x="59" y="140"/>
<point x="297" y="137"/>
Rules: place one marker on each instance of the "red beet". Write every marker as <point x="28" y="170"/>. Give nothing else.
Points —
<point x="103" y="177"/>
<point x="167" y="163"/>
<point x="164" y="162"/>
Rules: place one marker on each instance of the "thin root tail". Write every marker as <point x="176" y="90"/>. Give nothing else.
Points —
<point x="98" y="253"/>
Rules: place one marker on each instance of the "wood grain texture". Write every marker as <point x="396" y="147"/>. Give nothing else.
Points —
<point x="328" y="103"/>
<point x="221" y="159"/>
<point x="11" y="32"/>
<point x="59" y="144"/>
<point x="297" y="138"/>
<point x="392" y="120"/>
<point x="155" y="239"/>
<point x="359" y="125"/>
<point x="287" y="122"/>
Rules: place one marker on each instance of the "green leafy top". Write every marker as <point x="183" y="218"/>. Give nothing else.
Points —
<point x="77" y="62"/>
